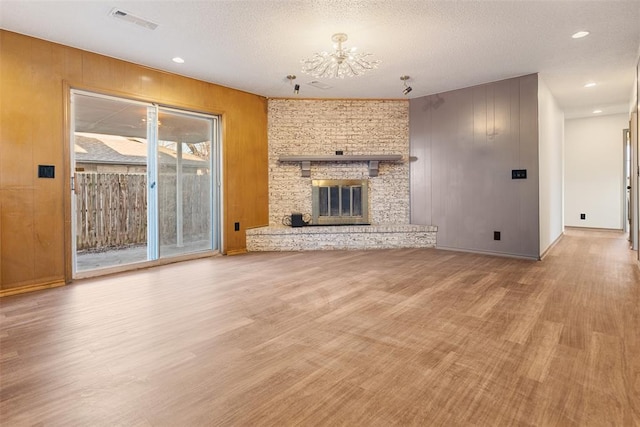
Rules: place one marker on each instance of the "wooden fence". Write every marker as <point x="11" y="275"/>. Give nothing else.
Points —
<point x="111" y="209"/>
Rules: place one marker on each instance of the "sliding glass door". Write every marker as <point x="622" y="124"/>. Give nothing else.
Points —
<point x="185" y="202"/>
<point x="143" y="182"/>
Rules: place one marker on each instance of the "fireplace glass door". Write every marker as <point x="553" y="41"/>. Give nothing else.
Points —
<point x="339" y="202"/>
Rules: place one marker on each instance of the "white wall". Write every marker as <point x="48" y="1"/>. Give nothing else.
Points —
<point x="593" y="171"/>
<point x="550" y="152"/>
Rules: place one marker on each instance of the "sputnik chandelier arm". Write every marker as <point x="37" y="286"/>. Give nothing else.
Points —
<point x="340" y="63"/>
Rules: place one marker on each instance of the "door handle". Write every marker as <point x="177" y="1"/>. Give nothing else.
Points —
<point x="74" y="184"/>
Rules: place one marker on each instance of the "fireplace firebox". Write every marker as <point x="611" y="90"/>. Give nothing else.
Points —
<point x="340" y="202"/>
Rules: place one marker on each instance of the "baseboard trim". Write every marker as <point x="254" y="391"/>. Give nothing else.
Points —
<point x="489" y="253"/>
<point x="31" y="288"/>
<point x="551" y="246"/>
<point x="577" y="227"/>
<point x="236" y="252"/>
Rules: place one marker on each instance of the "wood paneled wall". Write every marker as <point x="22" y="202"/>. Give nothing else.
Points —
<point x="466" y="143"/>
<point x="36" y="76"/>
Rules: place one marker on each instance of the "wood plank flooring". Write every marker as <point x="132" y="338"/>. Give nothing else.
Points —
<point x="354" y="338"/>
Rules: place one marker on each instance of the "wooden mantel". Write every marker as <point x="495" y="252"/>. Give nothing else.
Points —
<point x="372" y="159"/>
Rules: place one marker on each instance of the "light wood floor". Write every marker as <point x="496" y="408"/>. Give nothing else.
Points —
<point x="358" y="338"/>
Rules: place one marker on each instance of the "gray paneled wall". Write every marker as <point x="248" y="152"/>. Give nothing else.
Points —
<point x="464" y="145"/>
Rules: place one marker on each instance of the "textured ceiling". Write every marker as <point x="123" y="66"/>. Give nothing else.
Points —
<point x="442" y="45"/>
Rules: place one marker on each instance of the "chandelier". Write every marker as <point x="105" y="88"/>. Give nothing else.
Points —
<point x="340" y="63"/>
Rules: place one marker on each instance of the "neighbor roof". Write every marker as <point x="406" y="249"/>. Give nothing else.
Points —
<point x="118" y="150"/>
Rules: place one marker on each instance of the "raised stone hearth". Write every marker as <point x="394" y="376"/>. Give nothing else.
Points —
<point x="282" y="238"/>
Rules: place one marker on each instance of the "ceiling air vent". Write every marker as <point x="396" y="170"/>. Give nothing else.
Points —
<point x="126" y="16"/>
<point x="319" y="85"/>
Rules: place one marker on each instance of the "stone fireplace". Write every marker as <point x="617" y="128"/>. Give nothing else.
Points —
<point x="307" y="138"/>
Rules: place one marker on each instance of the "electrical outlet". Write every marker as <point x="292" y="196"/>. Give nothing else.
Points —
<point x="236" y="226"/>
<point x="519" y="174"/>
<point x="583" y="216"/>
<point x="496" y="235"/>
<point x="46" y="171"/>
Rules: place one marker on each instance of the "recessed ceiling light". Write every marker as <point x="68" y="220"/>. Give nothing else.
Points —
<point x="590" y="84"/>
<point x="580" y="34"/>
<point x="178" y="60"/>
<point x="597" y="111"/>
